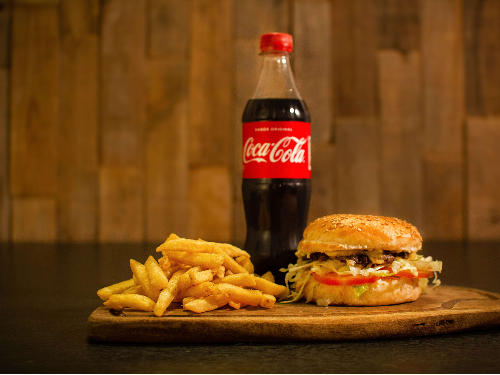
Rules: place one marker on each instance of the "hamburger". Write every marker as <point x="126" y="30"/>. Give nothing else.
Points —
<point x="360" y="260"/>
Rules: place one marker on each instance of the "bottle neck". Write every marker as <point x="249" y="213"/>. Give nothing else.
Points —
<point x="276" y="77"/>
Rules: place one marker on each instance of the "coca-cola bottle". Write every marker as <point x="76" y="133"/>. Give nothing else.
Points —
<point x="276" y="161"/>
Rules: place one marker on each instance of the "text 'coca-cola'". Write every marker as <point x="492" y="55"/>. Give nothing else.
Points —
<point x="277" y="149"/>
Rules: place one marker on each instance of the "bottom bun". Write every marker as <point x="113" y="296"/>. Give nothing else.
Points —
<point x="382" y="292"/>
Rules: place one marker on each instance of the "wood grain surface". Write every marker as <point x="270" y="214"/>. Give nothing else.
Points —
<point x="78" y="170"/>
<point x="34" y="219"/>
<point x="443" y="310"/>
<point x="482" y="56"/>
<point x="358" y="165"/>
<point x="400" y="137"/>
<point x="34" y="100"/>
<point x="354" y="25"/>
<point x="151" y="92"/>
<point x="167" y="119"/>
<point x="443" y="104"/>
<point x="399" y="25"/>
<point x="5" y="197"/>
<point x="210" y="84"/>
<point x="483" y="137"/>
<point x="123" y="117"/>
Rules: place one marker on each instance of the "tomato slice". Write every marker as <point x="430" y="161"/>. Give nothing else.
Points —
<point x="333" y="278"/>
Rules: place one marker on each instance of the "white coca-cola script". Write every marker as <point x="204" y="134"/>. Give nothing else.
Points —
<point x="287" y="149"/>
<point x="276" y="149"/>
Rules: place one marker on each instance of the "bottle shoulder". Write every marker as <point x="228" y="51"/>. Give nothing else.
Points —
<point x="276" y="109"/>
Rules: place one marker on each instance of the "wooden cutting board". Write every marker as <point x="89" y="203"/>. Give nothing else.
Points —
<point x="443" y="310"/>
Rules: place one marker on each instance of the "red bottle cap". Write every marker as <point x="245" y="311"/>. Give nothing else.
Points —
<point x="276" y="42"/>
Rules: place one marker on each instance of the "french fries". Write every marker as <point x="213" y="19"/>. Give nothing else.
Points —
<point x="231" y="264"/>
<point x="164" y="263"/>
<point x="241" y="295"/>
<point x="203" y="275"/>
<point x="108" y="291"/>
<point x="246" y="263"/>
<point x="192" y="246"/>
<point x="168" y="294"/>
<point x="236" y="305"/>
<point x="135" y="301"/>
<point x="267" y="301"/>
<point x="233" y="251"/>
<point x="136" y="289"/>
<point x="268" y="287"/>
<point x="156" y="275"/>
<point x="268" y="276"/>
<point x="196" y="259"/>
<point x="201" y="290"/>
<point x="240" y="279"/>
<point x="184" y="281"/>
<point x="142" y="277"/>
<point x="205" y="304"/>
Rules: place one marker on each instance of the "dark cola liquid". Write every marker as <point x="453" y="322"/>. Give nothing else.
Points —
<point x="275" y="209"/>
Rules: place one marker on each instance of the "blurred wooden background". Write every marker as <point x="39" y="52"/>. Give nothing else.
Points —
<point x="120" y="119"/>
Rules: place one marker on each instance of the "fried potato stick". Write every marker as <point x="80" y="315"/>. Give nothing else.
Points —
<point x="196" y="246"/>
<point x="195" y="259"/>
<point x="205" y="304"/>
<point x="156" y="275"/>
<point x="267" y="301"/>
<point x="117" y="288"/>
<point x="172" y="236"/>
<point x="143" y="279"/>
<point x="238" y="294"/>
<point x="136" y="289"/>
<point x="168" y="294"/>
<point x="231" y="264"/>
<point x="135" y="301"/>
<point x="233" y="251"/>
<point x="239" y="279"/>
<point x="220" y="272"/>
<point x="170" y="271"/>
<point x="268" y="276"/>
<point x="236" y="305"/>
<point x="246" y="263"/>
<point x="268" y="287"/>
<point x="164" y="263"/>
<point x="201" y="290"/>
<point x="184" y="282"/>
<point x="193" y="270"/>
<point x="192" y="246"/>
<point x="201" y="277"/>
<point x="229" y="249"/>
<point x="187" y="300"/>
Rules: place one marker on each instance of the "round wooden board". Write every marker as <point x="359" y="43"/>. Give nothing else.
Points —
<point x="443" y="310"/>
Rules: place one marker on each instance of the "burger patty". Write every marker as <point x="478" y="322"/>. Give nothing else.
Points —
<point x="362" y="259"/>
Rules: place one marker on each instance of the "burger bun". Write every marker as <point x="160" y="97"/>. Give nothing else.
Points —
<point x="386" y="291"/>
<point x="360" y="232"/>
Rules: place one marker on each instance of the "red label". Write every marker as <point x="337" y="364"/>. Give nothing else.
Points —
<point x="277" y="149"/>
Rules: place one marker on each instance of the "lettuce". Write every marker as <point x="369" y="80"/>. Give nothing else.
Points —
<point x="360" y="289"/>
<point x="298" y="274"/>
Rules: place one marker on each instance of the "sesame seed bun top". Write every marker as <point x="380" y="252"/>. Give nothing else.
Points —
<point x="359" y="232"/>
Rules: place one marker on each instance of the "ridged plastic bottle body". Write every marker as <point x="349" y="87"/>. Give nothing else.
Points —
<point x="276" y="209"/>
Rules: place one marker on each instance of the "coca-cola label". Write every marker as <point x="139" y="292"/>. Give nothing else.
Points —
<point x="277" y="149"/>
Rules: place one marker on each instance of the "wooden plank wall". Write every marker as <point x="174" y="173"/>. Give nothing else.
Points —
<point x="5" y="199"/>
<point x="120" y="120"/>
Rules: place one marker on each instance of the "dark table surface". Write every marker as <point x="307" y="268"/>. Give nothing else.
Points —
<point x="48" y="291"/>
